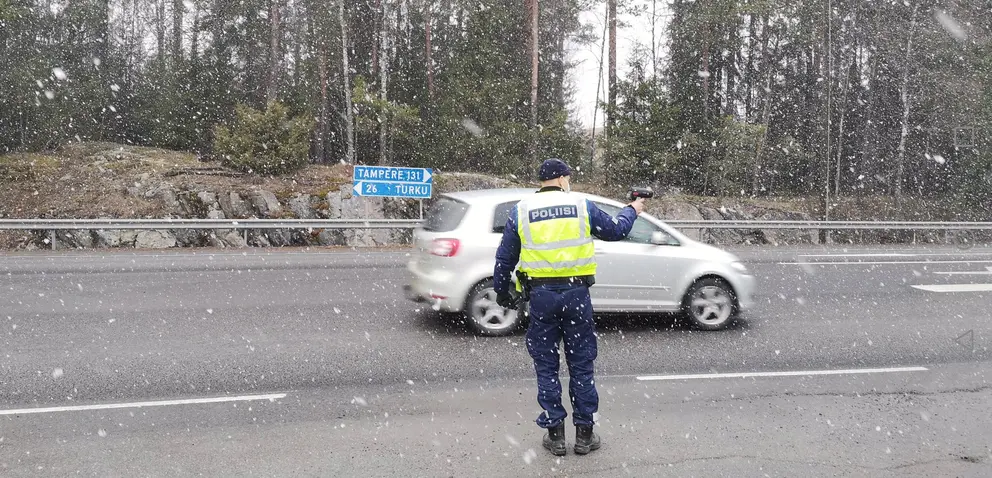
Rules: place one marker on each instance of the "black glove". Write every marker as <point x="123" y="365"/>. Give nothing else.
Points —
<point x="506" y="300"/>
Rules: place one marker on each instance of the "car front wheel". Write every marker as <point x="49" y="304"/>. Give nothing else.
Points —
<point x="485" y="317"/>
<point x="710" y="304"/>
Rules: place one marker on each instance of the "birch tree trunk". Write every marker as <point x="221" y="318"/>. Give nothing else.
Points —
<point x="611" y="13"/>
<point x="194" y="49"/>
<point x="840" y="133"/>
<point x="177" y="30"/>
<point x="272" y="85"/>
<point x="428" y="53"/>
<point x="534" y="65"/>
<point x="322" y="125"/>
<point x="766" y="112"/>
<point x="160" y="28"/>
<point x="654" y="41"/>
<point x="904" y="93"/>
<point x="349" y="110"/>
<point x="384" y="47"/>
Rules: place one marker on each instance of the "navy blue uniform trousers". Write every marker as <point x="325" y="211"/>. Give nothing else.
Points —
<point x="563" y="313"/>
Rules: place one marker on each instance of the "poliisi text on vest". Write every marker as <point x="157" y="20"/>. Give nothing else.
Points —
<point x="553" y="212"/>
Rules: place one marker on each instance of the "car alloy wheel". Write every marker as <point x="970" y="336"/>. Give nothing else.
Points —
<point x="485" y="316"/>
<point x="710" y="304"/>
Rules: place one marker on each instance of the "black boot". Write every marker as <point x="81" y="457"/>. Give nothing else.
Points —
<point x="554" y="440"/>
<point x="585" y="439"/>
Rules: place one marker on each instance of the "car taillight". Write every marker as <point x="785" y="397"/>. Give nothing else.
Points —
<point x="445" y="247"/>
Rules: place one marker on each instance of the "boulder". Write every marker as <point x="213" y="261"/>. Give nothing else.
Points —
<point x="680" y="211"/>
<point x="84" y="238"/>
<point x="266" y="203"/>
<point x="258" y="239"/>
<point x="234" y="206"/>
<point x="190" y="237"/>
<point x="331" y="237"/>
<point x="302" y="206"/>
<point x="233" y="238"/>
<point x="785" y="236"/>
<point x="278" y="237"/>
<point x="223" y="238"/>
<point x="115" y="238"/>
<point x="718" y="236"/>
<point x="209" y="199"/>
<point x="155" y="239"/>
<point x="334" y="199"/>
<point x="168" y="196"/>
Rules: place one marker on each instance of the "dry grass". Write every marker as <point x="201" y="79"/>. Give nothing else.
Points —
<point x="91" y="180"/>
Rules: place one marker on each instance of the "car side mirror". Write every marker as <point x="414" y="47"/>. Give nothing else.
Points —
<point x="659" y="238"/>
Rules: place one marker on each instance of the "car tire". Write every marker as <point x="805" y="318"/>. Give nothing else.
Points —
<point x="485" y="317"/>
<point x="710" y="304"/>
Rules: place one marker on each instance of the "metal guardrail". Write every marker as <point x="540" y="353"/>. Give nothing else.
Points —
<point x="832" y="225"/>
<point x="125" y="224"/>
<point x="240" y="224"/>
<point x="961" y="230"/>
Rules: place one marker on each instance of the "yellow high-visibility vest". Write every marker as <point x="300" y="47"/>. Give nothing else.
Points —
<point x="555" y="236"/>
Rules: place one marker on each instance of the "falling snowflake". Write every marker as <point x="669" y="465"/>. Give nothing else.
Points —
<point x="529" y="456"/>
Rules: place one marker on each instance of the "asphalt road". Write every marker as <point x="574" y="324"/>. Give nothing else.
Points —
<point x="327" y="371"/>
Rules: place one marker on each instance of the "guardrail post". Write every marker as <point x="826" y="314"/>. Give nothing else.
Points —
<point x="53" y="238"/>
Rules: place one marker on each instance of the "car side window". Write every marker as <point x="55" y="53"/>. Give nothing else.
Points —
<point x="501" y="214"/>
<point x="640" y="232"/>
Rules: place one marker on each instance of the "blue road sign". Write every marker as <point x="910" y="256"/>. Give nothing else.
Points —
<point x="396" y="190"/>
<point x="382" y="181"/>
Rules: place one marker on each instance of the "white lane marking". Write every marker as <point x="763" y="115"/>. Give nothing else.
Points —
<point x="986" y="272"/>
<point x="797" y="373"/>
<point x="160" y="403"/>
<point x="881" y="254"/>
<point x="900" y="254"/>
<point x="859" y="263"/>
<point x="955" y="287"/>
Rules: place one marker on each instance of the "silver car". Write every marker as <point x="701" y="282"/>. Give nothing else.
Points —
<point x="656" y="269"/>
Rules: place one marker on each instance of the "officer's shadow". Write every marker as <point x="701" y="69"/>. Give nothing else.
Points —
<point x="454" y="324"/>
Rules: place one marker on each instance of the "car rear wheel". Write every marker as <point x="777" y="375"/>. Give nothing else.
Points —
<point x="485" y="317"/>
<point x="710" y="304"/>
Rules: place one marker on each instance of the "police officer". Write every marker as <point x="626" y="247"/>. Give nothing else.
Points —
<point x="551" y="235"/>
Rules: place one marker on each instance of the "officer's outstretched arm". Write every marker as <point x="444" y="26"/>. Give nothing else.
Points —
<point x="507" y="255"/>
<point x="610" y="228"/>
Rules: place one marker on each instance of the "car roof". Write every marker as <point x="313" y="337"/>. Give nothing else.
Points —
<point x="499" y="196"/>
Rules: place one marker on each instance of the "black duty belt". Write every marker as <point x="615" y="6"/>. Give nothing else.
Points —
<point x="575" y="280"/>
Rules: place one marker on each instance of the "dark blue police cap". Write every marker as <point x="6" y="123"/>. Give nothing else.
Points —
<point x="553" y="168"/>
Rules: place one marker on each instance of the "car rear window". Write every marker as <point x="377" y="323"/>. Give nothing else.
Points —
<point x="445" y="215"/>
<point x="501" y="214"/>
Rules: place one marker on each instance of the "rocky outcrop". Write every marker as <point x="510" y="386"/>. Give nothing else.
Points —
<point x="684" y="211"/>
<point x="252" y="201"/>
